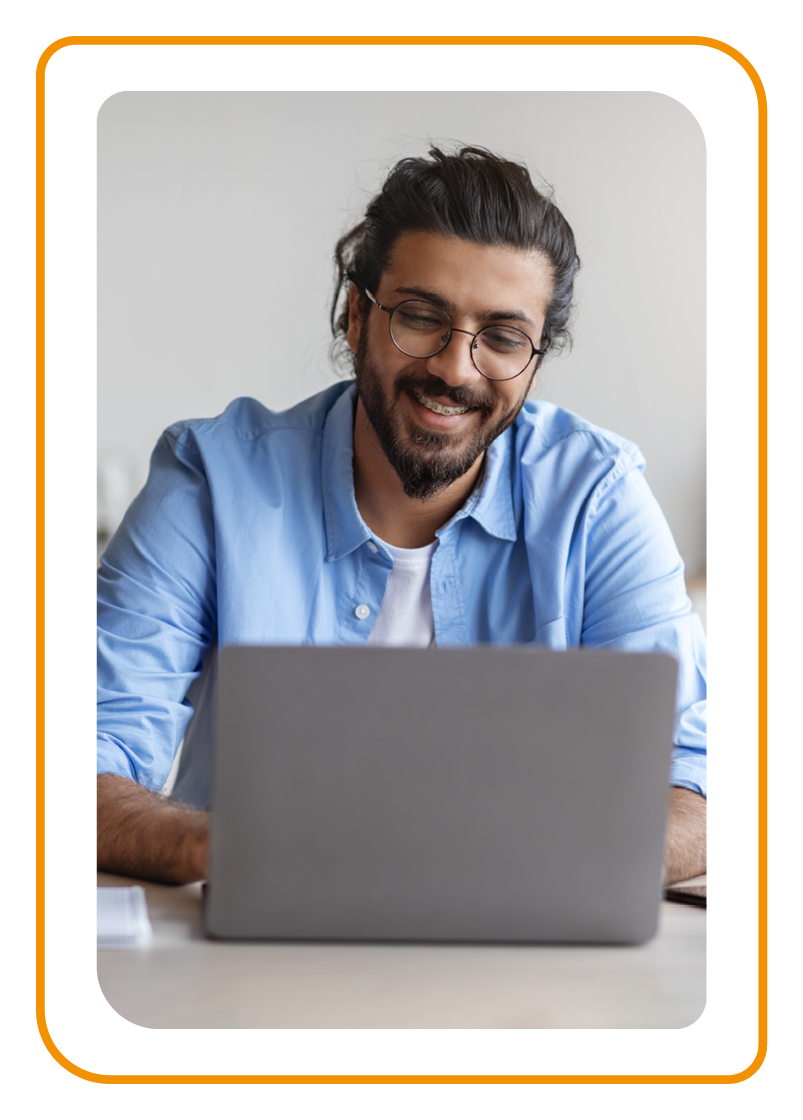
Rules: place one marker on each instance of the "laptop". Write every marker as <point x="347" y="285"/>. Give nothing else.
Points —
<point x="487" y="794"/>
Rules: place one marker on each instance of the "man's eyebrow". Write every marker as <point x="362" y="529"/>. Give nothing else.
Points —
<point x="489" y="315"/>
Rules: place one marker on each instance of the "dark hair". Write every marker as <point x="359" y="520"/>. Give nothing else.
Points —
<point x="472" y="194"/>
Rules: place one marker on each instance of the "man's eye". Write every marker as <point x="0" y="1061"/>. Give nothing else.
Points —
<point x="420" y="317"/>
<point x="419" y="321"/>
<point x="504" y="341"/>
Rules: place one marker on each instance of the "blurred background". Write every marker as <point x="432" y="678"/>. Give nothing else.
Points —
<point x="217" y="218"/>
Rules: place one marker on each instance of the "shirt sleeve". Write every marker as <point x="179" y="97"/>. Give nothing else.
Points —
<point x="156" y="615"/>
<point x="635" y="599"/>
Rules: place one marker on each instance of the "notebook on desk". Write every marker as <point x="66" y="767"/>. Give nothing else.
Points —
<point x="691" y="891"/>
<point x="484" y="794"/>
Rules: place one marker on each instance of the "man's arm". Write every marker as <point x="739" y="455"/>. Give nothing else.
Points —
<point x="146" y="836"/>
<point x="684" y="841"/>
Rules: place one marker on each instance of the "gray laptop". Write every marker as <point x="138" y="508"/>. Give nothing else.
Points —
<point x="484" y="794"/>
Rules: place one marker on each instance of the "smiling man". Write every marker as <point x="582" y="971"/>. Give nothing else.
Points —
<point x="427" y="502"/>
<point x="443" y="373"/>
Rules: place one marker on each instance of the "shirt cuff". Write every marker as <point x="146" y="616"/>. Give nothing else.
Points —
<point x="688" y="770"/>
<point x="114" y="760"/>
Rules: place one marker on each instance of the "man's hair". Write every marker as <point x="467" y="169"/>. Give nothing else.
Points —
<point x="471" y="194"/>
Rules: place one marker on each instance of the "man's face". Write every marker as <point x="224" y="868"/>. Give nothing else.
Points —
<point x="477" y="286"/>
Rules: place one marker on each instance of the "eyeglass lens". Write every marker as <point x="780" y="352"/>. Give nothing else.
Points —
<point x="422" y="330"/>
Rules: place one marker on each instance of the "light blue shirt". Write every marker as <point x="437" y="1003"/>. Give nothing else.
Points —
<point x="247" y="531"/>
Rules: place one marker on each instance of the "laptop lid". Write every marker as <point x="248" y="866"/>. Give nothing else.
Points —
<point x="483" y="794"/>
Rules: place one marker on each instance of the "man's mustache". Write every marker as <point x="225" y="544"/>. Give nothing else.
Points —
<point x="431" y="386"/>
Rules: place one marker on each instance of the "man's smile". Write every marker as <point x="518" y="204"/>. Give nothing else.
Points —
<point x="442" y="409"/>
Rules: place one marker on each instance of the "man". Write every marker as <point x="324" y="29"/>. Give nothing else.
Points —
<point x="427" y="502"/>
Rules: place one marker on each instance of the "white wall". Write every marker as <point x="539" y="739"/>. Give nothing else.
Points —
<point x="218" y="214"/>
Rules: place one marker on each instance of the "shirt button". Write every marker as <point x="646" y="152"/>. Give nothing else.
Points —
<point x="372" y="546"/>
<point x="362" y="611"/>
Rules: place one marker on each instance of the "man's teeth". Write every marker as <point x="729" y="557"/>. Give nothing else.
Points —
<point x="439" y="407"/>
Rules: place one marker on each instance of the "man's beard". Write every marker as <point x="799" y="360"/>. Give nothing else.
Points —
<point x="426" y="461"/>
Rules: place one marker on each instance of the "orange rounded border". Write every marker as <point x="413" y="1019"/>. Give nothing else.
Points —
<point x="412" y="40"/>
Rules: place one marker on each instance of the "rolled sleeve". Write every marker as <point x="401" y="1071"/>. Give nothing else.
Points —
<point x="156" y="612"/>
<point x="635" y="599"/>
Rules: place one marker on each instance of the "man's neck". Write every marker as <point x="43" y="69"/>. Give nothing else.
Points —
<point x="385" y="508"/>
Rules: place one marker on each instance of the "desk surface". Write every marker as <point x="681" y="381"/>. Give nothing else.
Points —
<point x="184" y="980"/>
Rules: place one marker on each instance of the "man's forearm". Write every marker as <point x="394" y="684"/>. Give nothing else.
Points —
<point x="685" y="838"/>
<point x="147" y="836"/>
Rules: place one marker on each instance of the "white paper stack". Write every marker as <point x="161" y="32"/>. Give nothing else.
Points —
<point x="123" y="921"/>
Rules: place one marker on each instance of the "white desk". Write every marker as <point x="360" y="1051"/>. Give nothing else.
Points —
<point x="184" y="980"/>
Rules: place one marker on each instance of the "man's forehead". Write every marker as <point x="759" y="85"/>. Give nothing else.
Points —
<point x="488" y="281"/>
<point x="452" y="308"/>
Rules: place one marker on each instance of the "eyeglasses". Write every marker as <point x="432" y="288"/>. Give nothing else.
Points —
<point x="421" y="330"/>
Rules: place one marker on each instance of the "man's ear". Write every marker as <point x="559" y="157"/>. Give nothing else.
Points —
<point x="355" y="318"/>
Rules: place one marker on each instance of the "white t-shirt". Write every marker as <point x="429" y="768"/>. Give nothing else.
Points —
<point x="406" y="615"/>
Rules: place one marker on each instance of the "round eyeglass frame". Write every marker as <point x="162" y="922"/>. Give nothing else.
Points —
<point x="453" y="330"/>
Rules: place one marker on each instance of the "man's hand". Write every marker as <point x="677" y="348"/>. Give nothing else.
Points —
<point x="147" y="836"/>
<point x="684" y="841"/>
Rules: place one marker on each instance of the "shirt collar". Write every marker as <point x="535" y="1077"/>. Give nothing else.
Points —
<point x="345" y="529"/>
<point x="490" y="504"/>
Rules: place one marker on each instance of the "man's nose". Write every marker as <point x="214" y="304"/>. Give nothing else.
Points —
<point x="453" y="364"/>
